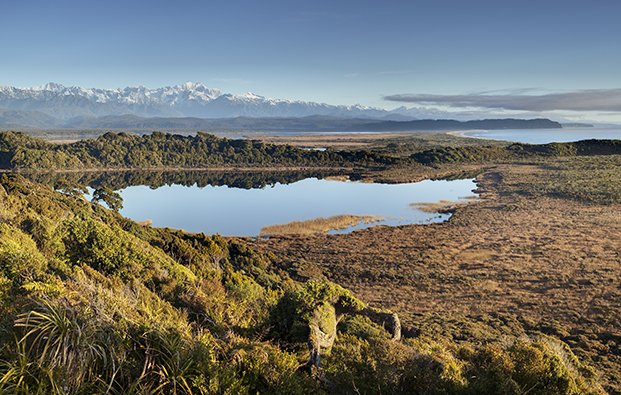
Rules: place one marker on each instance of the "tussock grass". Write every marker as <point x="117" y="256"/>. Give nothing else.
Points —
<point x="442" y="206"/>
<point x="318" y="225"/>
<point x="595" y="179"/>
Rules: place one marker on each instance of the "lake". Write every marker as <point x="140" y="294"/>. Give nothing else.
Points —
<point x="543" y="136"/>
<point x="232" y="211"/>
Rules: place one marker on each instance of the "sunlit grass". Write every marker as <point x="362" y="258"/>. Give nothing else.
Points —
<point x="442" y="206"/>
<point x="318" y="225"/>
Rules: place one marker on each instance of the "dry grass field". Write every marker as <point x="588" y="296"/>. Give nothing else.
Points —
<point x="539" y="252"/>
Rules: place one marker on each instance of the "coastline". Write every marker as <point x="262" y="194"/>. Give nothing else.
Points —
<point x="462" y="133"/>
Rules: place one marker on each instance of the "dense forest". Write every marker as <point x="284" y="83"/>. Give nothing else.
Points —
<point x="204" y="151"/>
<point x="159" y="150"/>
<point x="516" y="151"/>
<point x="95" y="303"/>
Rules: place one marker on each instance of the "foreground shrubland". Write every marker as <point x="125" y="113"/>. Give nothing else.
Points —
<point x="94" y="303"/>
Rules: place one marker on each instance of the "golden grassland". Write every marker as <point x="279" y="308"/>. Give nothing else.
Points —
<point x="538" y="253"/>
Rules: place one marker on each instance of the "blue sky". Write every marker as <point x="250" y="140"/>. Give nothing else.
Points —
<point x="339" y="52"/>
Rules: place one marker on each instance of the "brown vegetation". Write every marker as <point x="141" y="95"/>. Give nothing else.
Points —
<point x="414" y="140"/>
<point x="336" y="141"/>
<point x="533" y="256"/>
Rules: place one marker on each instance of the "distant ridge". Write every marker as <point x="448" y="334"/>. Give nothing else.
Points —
<point x="194" y="106"/>
<point x="307" y="124"/>
<point x="577" y="125"/>
<point x="449" y="124"/>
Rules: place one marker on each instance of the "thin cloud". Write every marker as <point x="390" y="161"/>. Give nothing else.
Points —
<point x="584" y="100"/>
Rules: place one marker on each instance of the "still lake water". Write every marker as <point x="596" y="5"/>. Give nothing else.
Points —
<point x="544" y="136"/>
<point x="233" y="211"/>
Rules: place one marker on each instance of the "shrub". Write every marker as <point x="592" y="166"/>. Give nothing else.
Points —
<point x="20" y="259"/>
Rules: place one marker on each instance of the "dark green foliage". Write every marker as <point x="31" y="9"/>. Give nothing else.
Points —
<point x="112" y="199"/>
<point x="445" y="155"/>
<point x="74" y="182"/>
<point x="159" y="150"/>
<point x="290" y="319"/>
<point x="460" y="154"/>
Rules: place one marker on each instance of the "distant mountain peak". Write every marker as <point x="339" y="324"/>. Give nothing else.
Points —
<point x="50" y="86"/>
<point x="252" y="96"/>
<point x="190" y="85"/>
<point x="190" y="99"/>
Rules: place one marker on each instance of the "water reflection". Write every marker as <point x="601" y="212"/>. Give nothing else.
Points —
<point x="244" y="212"/>
<point x="235" y="179"/>
<point x="242" y="203"/>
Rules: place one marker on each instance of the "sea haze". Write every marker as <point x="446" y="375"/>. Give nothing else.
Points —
<point x="544" y="136"/>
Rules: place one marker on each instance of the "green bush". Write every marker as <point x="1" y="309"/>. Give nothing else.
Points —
<point x="20" y="259"/>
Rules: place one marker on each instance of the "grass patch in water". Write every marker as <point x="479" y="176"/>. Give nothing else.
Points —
<point x="442" y="206"/>
<point x="318" y="225"/>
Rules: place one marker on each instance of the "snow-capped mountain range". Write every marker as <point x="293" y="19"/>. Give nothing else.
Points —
<point x="186" y="100"/>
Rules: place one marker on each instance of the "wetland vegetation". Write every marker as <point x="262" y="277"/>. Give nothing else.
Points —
<point x="319" y="225"/>
<point x="516" y="294"/>
<point x="93" y="302"/>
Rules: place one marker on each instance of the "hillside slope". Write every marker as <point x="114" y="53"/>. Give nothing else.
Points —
<point x="94" y="303"/>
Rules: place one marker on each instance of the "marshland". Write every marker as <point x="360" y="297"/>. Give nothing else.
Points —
<point x="521" y="273"/>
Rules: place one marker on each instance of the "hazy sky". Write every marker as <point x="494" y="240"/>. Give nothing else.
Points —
<point x="340" y="52"/>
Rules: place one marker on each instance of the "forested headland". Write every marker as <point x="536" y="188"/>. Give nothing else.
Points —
<point x="123" y="151"/>
<point x="158" y="150"/>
